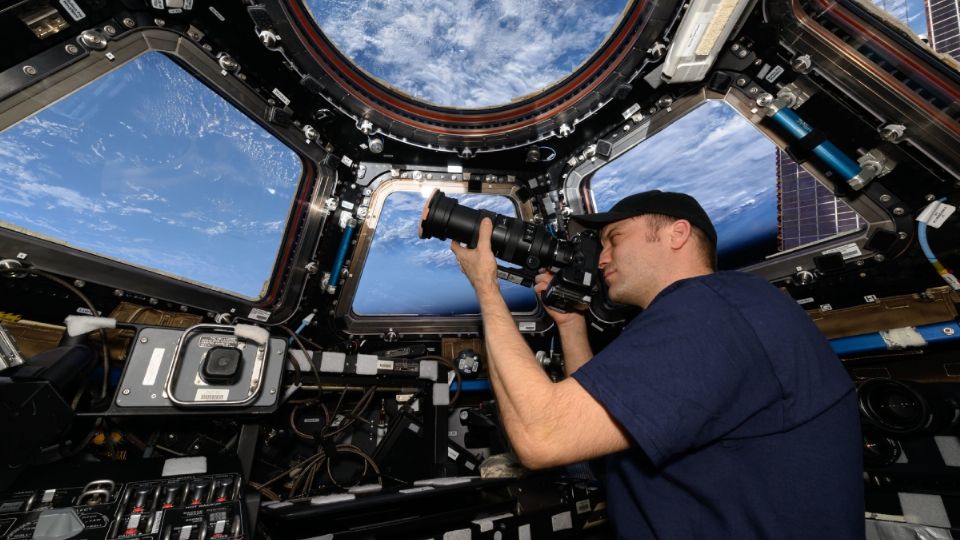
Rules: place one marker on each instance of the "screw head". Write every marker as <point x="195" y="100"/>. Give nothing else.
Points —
<point x="884" y="198"/>
<point x="930" y="197"/>
<point x="902" y="235"/>
<point x="879" y="257"/>
<point x="947" y="331"/>
<point x="126" y="392"/>
<point x="109" y="29"/>
<point x="128" y="22"/>
<point x="144" y="340"/>
<point x="898" y="211"/>
<point x="741" y="81"/>
<point x="71" y="48"/>
<point x="30" y="70"/>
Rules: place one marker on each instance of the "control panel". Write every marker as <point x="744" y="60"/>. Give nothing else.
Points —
<point x="188" y="507"/>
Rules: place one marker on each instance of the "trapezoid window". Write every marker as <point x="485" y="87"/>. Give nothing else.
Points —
<point x="760" y="201"/>
<point x="405" y="275"/>
<point x="149" y="167"/>
<point x="466" y="53"/>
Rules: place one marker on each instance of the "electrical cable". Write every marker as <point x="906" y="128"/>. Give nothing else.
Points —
<point x="306" y="353"/>
<point x="456" y="373"/>
<point x="94" y="312"/>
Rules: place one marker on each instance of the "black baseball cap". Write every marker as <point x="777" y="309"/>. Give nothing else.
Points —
<point x="677" y="205"/>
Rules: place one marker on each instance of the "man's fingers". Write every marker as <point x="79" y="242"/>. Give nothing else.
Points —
<point x="486" y="232"/>
<point x="456" y="248"/>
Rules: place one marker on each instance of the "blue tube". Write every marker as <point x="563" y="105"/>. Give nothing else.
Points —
<point x="924" y="245"/>
<point x="826" y="151"/>
<point x="931" y="333"/>
<point x="341" y="255"/>
<point x="472" y="386"/>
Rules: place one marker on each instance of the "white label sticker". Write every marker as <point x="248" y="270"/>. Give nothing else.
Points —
<point x="847" y="250"/>
<point x="281" y="97"/>
<point x="157" y="4"/>
<point x="583" y="506"/>
<point x="185" y="532"/>
<point x="936" y="213"/>
<point x="347" y="204"/>
<point x="527" y="326"/>
<point x="454" y="169"/>
<point x="156" y="522"/>
<point x="774" y="73"/>
<point x="346" y="161"/>
<point x="385" y="364"/>
<point x="952" y="280"/>
<point x="414" y="428"/>
<point x="187" y="4"/>
<point x="803" y="301"/>
<point x="73" y="9"/>
<point x="258" y="314"/>
<point x="763" y="71"/>
<point x="469" y="465"/>
<point x="212" y="394"/>
<point x="561" y="521"/>
<point x="452" y="454"/>
<point x="217" y="14"/>
<point x="523" y="532"/>
<point x="153" y="367"/>
<point x="631" y="110"/>
<point x="84" y="311"/>
<point x="134" y="522"/>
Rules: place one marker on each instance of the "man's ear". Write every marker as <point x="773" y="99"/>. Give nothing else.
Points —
<point x="680" y="233"/>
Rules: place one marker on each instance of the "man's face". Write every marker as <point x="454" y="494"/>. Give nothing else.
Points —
<point x="631" y="260"/>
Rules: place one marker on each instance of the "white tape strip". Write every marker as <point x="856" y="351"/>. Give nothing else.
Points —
<point x="902" y="338"/>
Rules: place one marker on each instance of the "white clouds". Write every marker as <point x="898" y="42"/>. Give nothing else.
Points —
<point x="467" y="54"/>
<point x="60" y="196"/>
<point x="712" y="153"/>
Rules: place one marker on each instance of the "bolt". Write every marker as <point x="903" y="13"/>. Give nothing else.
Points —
<point x="128" y="22"/>
<point x="898" y="211"/>
<point x="802" y="63"/>
<point x="227" y="63"/>
<point x="71" y="48"/>
<point x="764" y="99"/>
<point x="109" y="30"/>
<point x="153" y="301"/>
<point x="194" y="35"/>
<point x="742" y="53"/>
<point x="902" y="235"/>
<point x="273" y="391"/>
<point x="879" y="257"/>
<point x="126" y="392"/>
<point x="884" y="198"/>
<point x="30" y="70"/>
<point x="664" y="102"/>
<point x="160" y="22"/>
<point x="947" y="331"/>
<point x="153" y="396"/>
<point x="735" y="47"/>
<point x="144" y="340"/>
<point x="741" y="81"/>
<point x="753" y="90"/>
<point x="930" y="197"/>
<point x="268" y="38"/>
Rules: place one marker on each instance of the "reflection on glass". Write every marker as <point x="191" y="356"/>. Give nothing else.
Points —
<point x="718" y="157"/>
<point x="467" y="53"/>
<point x="404" y="275"/>
<point x="148" y="166"/>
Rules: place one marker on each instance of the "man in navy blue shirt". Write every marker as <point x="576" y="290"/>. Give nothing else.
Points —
<point x="721" y="410"/>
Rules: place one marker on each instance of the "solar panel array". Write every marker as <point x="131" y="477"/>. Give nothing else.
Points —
<point x="944" y="21"/>
<point x="807" y="210"/>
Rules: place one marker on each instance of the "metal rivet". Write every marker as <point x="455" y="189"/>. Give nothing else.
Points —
<point x="109" y="29"/>
<point x="126" y="392"/>
<point x="160" y="22"/>
<point x="884" y="198"/>
<point x="898" y="211"/>
<point x="71" y="48"/>
<point x="129" y="23"/>
<point x="741" y="81"/>
<point x="144" y="340"/>
<point x="930" y="197"/>
<point x="30" y="70"/>
<point x="93" y="40"/>
<point x="879" y="257"/>
<point x="153" y="396"/>
<point x="902" y="235"/>
<point x="948" y="331"/>
<point x="273" y="391"/>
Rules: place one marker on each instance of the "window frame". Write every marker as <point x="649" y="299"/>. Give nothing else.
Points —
<point x="776" y="266"/>
<point x="424" y="178"/>
<point x="303" y="221"/>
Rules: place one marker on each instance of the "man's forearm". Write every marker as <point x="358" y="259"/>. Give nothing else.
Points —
<point x="576" y="346"/>
<point x="522" y="388"/>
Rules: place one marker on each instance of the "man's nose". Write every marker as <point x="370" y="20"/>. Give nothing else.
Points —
<point x="604" y="258"/>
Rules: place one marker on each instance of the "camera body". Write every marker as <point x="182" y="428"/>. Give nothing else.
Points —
<point x="576" y="283"/>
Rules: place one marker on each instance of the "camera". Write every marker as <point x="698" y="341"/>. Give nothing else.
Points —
<point x="576" y="282"/>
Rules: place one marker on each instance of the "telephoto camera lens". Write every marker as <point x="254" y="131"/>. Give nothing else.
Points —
<point x="513" y="240"/>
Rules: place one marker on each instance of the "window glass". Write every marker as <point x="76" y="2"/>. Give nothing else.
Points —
<point x="463" y="53"/>
<point x="759" y="200"/>
<point x="148" y="166"/>
<point x="404" y="275"/>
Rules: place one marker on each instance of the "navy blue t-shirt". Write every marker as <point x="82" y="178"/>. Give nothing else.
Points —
<point x="744" y="422"/>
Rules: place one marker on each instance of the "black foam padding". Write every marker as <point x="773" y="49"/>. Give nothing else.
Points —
<point x="261" y="17"/>
<point x="830" y="262"/>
